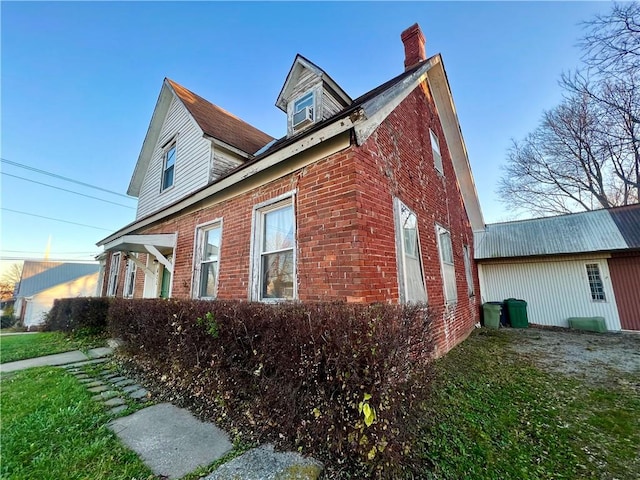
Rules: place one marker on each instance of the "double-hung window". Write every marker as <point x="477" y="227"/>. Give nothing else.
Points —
<point x="168" y="166"/>
<point x="435" y="150"/>
<point x="595" y="282"/>
<point x="410" y="272"/>
<point x="274" y="252"/>
<point x="129" y="279"/>
<point x="207" y="260"/>
<point x="445" y="248"/>
<point x="303" y="111"/>
<point x="114" y="271"/>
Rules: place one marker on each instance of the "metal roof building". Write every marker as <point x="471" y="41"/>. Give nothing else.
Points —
<point x="578" y="265"/>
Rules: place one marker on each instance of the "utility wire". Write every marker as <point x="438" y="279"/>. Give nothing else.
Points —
<point x="55" y="219"/>
<point x="65" y="190"/>
<point x="40" y="259"/>
<point x="44" y="172"/>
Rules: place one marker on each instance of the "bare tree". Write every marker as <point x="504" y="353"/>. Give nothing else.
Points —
<point x="9" y="280"/>
<point x="585" y="154"/>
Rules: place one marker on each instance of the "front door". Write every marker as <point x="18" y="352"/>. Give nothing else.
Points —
<point x="165" y="286"/>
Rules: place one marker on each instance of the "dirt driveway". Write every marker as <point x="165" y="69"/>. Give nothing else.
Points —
<point x="595" y="357"/>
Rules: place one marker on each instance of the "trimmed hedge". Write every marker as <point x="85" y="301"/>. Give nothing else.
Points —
<point x="339" y="381"/>
<point x="78" y="316"/>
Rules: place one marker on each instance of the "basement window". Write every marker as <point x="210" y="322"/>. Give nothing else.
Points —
<point x="595" y="282"/>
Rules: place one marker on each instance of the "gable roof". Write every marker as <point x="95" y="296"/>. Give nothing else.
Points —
<point x="584" y="232"/>
<point x="363" y="115"/>
<point x="220" y="124"/>
<point x="300" y="63"/>
<point x="40" y="276"/>
<point x="214" y="122"/>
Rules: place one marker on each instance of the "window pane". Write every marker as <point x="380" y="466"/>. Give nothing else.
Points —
<point x="211" y="245"/>
<point x="410" y="232"/>
<point x="277" y="275"/>
<point x="171" y="157"/>
<point x="306" y="101"/>
<point x="278" y="229"/>
<point x="435" y="144"/>
<point x="595" y="282"/>
<point x="445" y="247"/>
<point x="168" y="178"/>
<point x="208" y="279"/>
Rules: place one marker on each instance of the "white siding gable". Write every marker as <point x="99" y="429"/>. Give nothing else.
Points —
<point x="192" y="167"/>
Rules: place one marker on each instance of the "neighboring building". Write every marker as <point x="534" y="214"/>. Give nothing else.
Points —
<point x="364" y="200"/>
<point x="43" y="282"/>
<point x="579" y="265"/>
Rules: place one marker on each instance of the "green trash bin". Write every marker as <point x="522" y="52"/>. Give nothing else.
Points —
<point x="517" y="312"/>
<point x="491" y="313"/>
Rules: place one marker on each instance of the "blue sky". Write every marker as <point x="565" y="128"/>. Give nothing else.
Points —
<point x="80" y="81"/>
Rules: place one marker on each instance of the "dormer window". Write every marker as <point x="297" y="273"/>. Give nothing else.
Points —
<point x="303" y="111"/>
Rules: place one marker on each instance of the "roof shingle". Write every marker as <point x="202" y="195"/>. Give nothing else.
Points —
<point x="220" y="124"/>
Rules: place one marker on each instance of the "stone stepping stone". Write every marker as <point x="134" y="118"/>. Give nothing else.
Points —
<point x="107" y="376"/>
<point x="131" y="388"/>
<point x="170" y="440"/>
<point x="118" y="409"/>
<point x="114" y="402"/>
<point x="87" y="380"/>
<point x="263" y="463"/>
<point x="95" y="383"/>
<point x="81" y="376"/>
<point x="117" y="379"/>
<point x="104" y="395"/>
<point x="83" y="363"/>
<point x="99" y="388"/>
<point x="140" y="394"/>
<point x="124" y="382"/>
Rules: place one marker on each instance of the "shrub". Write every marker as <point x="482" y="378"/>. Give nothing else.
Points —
<point x="7" y="321"/>
<point x="79" y="316"/>
<point x="339" y="381"/>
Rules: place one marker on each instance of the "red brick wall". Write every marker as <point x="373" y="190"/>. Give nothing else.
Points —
<point x="397" y="161"/>
<point x="346" y="248"/>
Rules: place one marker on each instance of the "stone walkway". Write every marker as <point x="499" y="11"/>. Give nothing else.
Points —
<point x="170" y="440"/>
<point x="113" y="390"/>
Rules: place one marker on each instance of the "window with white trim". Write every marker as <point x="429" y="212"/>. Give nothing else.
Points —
<point x="410" y="271"/>
<point x="303" y="111"/>
<point x="435" y="150"/>
<point x="595" y="282"/>
<point x="466" y="255"/>
<point x="130" y="278"/>
<point x="114" y="272"/>
<point x="168" y="166"/>
<point x="207" y="260"/>
<point x="274" y="252"/>
<point x="445" y="248"/>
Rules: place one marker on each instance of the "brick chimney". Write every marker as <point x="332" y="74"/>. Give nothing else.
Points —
<point x="414" y="42"/>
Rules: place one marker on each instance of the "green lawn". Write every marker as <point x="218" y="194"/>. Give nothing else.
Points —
<point x="492" y="415"/>
<point x="51" y="429"/>
<point x="20" y="347"/>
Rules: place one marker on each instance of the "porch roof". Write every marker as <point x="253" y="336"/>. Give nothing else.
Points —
<point x="137" y="243"/>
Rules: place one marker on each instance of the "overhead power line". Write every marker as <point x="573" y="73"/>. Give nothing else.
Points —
<point x="56" y="219"/>
<point x="66" y="190"/>
<point x="67" y="179"/>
